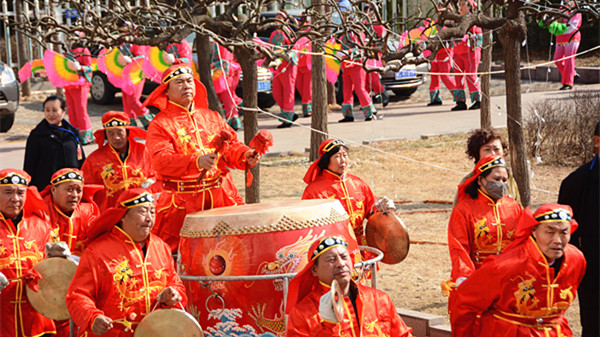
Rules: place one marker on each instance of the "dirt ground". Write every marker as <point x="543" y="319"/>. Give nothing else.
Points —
<point x="399" y="170"/>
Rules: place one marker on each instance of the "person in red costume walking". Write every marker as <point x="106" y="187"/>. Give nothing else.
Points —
<point x="125" y="271"/>
<point x="24" y="241"/>
<point x="120" y="164"/>
<point x="467" y="55"/>
<point x="76" y="95"/>
<point x="441" y="64"/>
<point x="367" y="311"/>
<point x="526" y="290"/>
<point x="182" y="147"/>
<point x="354" y="79"/>
<point x="327" y="178"/>
<point x="284" y="73"/>
<point x="304" y="76"/>
<point x="484" y="220"/>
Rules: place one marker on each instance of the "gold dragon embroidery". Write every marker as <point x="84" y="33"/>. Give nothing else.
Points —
<point x="525" y="295"/>
<point x="127" y="285"/>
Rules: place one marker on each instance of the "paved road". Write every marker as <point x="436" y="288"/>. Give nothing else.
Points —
<point x="401" y="119"/>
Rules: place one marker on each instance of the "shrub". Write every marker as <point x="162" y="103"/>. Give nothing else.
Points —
<point x="560" y="130"/>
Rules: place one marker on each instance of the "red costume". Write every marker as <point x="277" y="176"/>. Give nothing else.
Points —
<point x="177" y="137"/>
<point x="353" y="193"/>
<point x="70" y="228"/>
<point x="480" y="227"/>
<point x="117" y="277"/>
<point x="373" y="83"/>
<point x="304" y="76"/>
<point x="378" y="316"/>
<point x="106" y="167"/>
<point x="441" y="64"/>
<point x="374" y="314"/>
<point x="517" y="293"/>
<point x="467" y="55"/>
<point x="354" y="79"/>
<point x="21" y="248"/>
<point x="284" y="77"/>
<point x="76" y="96"/>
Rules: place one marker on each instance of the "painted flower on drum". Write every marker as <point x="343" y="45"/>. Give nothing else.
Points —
<point x="229" y="327"/>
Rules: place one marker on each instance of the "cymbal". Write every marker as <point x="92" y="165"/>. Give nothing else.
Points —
<point x="387" y="233"/>
<point x="337" y="300"/>
<point x="50" y="300"/>
<point x="168" y="322"/>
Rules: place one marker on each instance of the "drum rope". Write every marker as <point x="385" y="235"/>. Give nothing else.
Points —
<point x="259" y="110"/>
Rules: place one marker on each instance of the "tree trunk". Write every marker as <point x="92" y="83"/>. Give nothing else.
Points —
<point x="250" y="71"/>
<point x="22" y="46"/>
<point x="511" y="35"/>
<point x="486" y="66"/>
<point x="319" y="96"/>
<point x="202" y="44"/>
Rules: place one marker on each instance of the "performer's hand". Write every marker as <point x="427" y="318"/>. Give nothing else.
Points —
<point x="207" y="161"/>
<point x="3" y="281"/>
<point x="57" y="249"/>
<point x="169" y="296"/>
<point x="384" y="205"/>
<point x="252" y="157"/>
<point x="101" y="325"/>
<point x="127" y="59"/>
<point x="326" y="308"/>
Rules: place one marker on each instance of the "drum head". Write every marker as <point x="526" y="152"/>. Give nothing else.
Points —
<point x="263" y="218"/>
<point x="50" y="301"/>
<point x="387" y="233"/>
<point x="168" y="322"/>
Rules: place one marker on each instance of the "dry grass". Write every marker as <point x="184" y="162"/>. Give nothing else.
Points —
<point x="415" y="283"/>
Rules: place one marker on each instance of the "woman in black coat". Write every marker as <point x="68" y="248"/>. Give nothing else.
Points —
<point x="52" y="145"/>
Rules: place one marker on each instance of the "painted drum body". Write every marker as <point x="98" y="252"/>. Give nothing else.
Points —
<point x="249" y="240"/>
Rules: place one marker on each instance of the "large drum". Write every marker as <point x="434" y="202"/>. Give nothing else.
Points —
<point x="251" y="240"/>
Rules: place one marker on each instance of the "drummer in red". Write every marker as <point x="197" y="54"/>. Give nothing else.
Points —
<point x="120" y="164"/>
<point x="526" y="290"/>
<point x="24" y="230"/>
<point x="367" y="311"/>
<point x="70" y="207"/>
<point x="125" y="271"/>
<point x="327" y="179"/>
<point x="194" y="177"/>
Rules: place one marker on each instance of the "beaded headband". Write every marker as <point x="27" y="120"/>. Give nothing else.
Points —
<point x="13" y="179"/>
<point x="326" y="243"/>
<point x="115" y="123"/>
<point x="67" y="176"/>
<point x="144" y="198"/>
<point x="557" y="214"/>
<point x="176" y="73"/>
<point x="498" y="161"/>
<point x="332" y="145"/>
